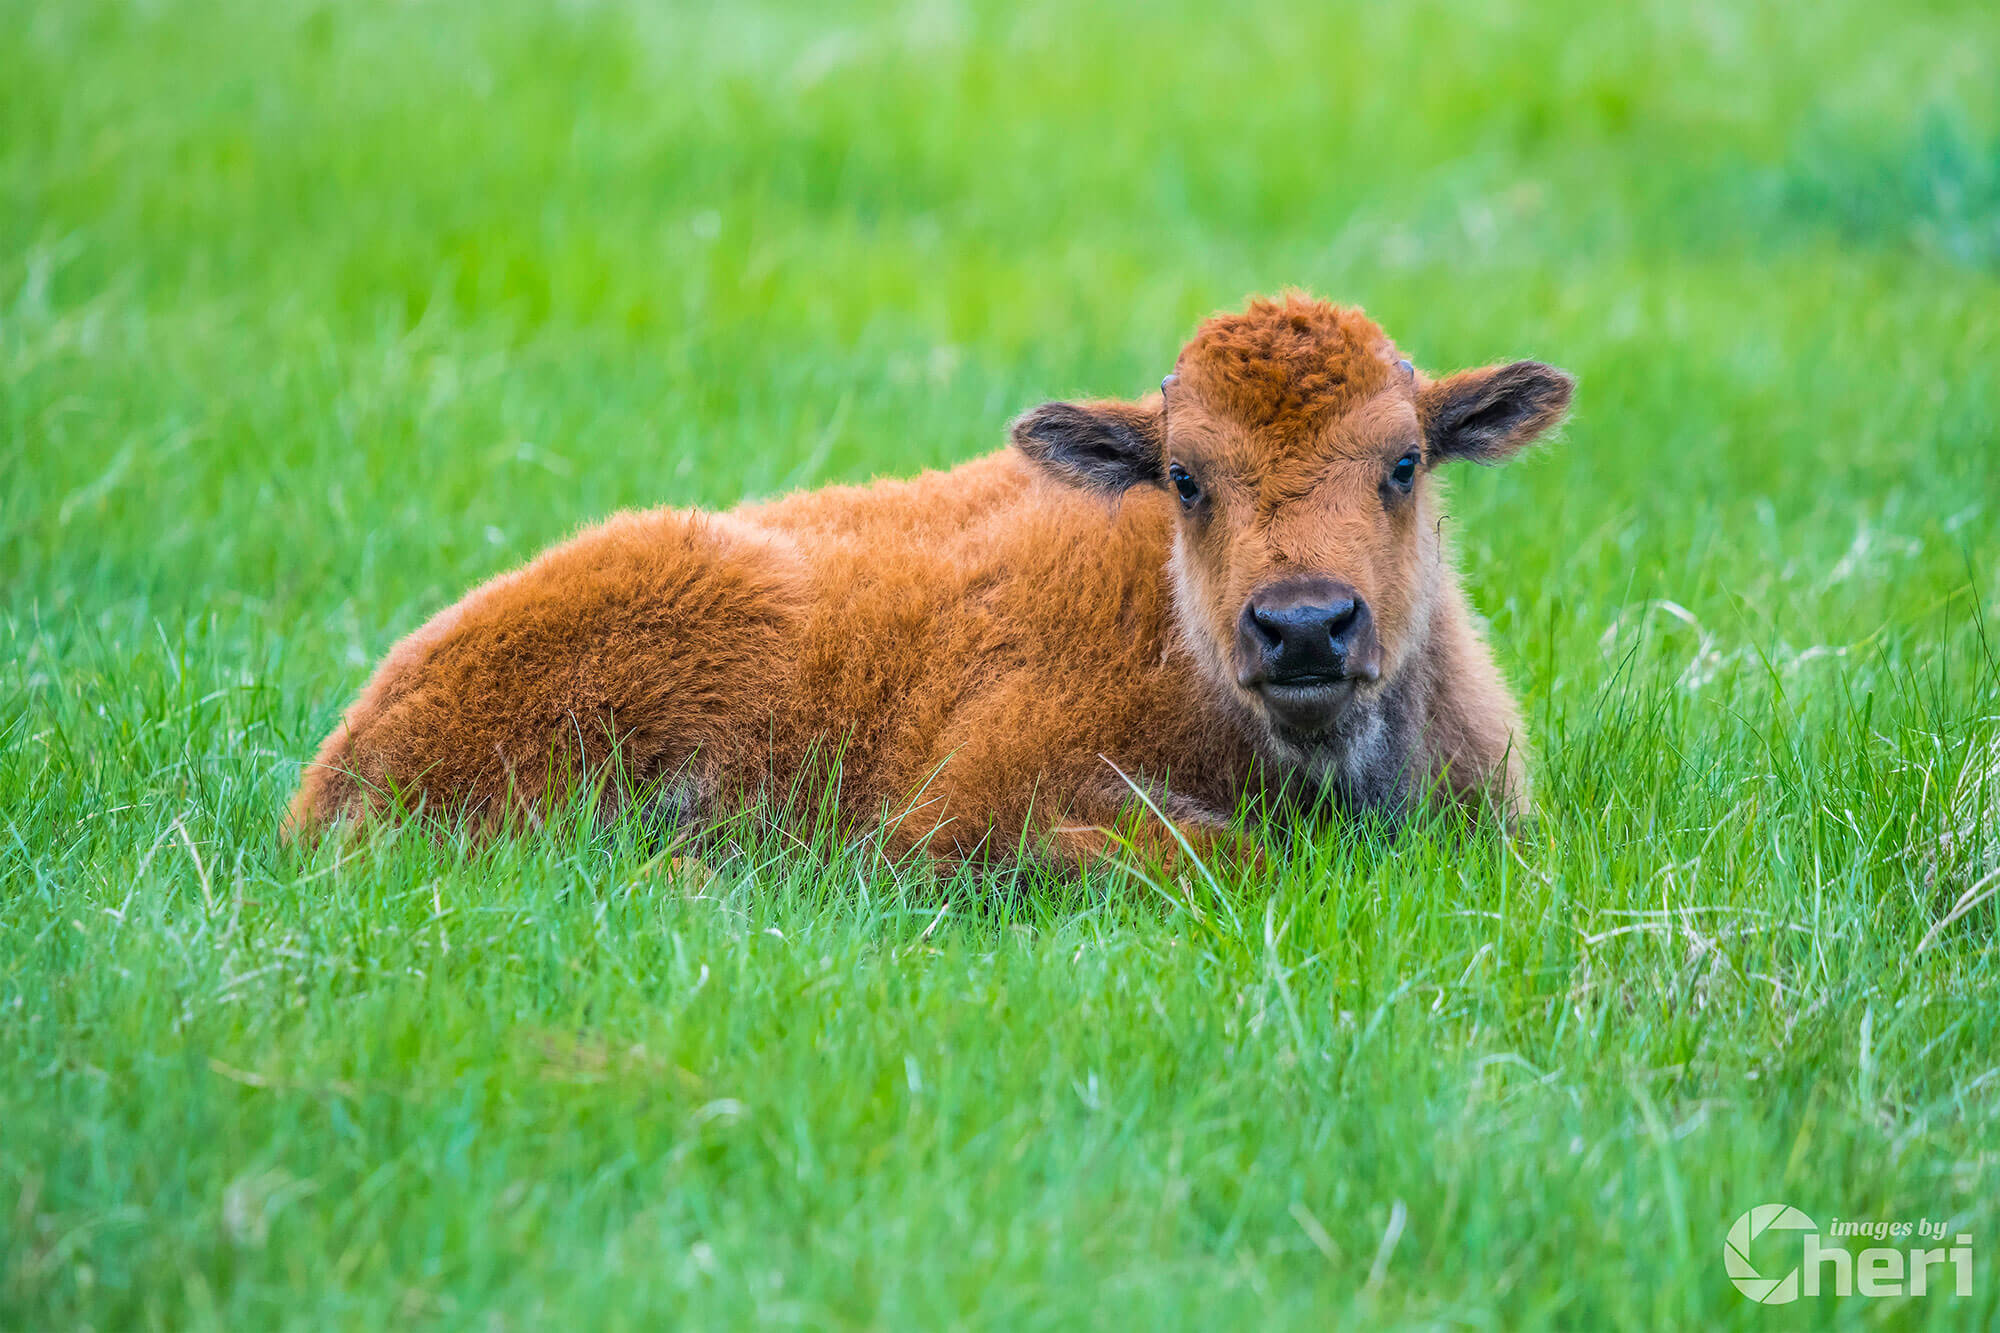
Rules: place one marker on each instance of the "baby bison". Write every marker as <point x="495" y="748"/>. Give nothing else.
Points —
<point x="1234" y="592"/>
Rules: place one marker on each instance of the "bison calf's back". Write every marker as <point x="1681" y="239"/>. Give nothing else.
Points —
<point x="644" y="645"/>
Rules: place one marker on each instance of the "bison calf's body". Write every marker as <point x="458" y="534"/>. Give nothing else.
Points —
<point x="1231" y="591"/>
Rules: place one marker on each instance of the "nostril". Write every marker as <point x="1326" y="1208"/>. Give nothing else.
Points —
<point x="1341" y="617"/>
<point x="1267" y="629"/>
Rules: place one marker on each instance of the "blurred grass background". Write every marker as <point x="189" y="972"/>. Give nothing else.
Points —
<point x="313" y="315"/>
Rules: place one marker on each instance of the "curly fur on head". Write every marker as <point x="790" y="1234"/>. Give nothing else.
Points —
<point x="1287" y="366"/>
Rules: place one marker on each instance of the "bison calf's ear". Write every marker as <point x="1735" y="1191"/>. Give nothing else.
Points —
<point x="1487" y="415"/>
<point x="1108" y="447"/>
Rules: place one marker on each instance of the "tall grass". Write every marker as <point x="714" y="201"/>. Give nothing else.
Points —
<point x="312" y="315"/>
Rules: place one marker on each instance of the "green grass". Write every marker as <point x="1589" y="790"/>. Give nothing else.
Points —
<point x="311" y="316"/>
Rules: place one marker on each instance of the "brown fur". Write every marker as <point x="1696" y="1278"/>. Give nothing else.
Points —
<point x="987" y="648"/>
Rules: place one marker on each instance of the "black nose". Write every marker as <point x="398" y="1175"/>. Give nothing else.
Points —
<point x="1306" y="633"/>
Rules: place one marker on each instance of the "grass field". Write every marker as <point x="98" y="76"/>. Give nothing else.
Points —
<point x="313" y="315"/>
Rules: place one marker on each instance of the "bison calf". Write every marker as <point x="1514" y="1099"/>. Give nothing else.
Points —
<point x="1234" y="588"/>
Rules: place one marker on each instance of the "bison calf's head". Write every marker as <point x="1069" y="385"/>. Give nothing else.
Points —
<point x="1298" y="447"/>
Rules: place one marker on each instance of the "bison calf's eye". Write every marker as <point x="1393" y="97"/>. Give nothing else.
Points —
<point x="1184" y="485"/>
<point x="1404" y="474"/>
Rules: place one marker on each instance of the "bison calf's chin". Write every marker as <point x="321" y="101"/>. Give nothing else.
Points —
<point x="997" y="655"/>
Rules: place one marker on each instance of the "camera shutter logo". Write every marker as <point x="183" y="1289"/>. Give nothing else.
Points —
<point x="1736" y="1252"/>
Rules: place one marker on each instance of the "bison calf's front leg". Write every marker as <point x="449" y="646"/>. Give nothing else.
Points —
<point x="1166" y="830"/>
<point x="645" y="647"/>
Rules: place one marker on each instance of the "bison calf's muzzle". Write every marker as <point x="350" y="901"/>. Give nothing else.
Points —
<point x="1305" y="645"/>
